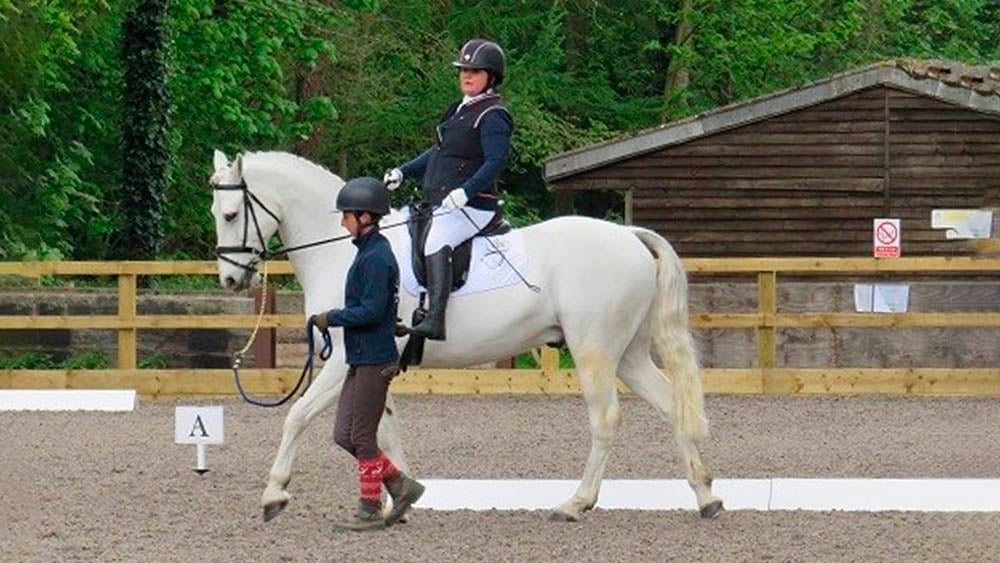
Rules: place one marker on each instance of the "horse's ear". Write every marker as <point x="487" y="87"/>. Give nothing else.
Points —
<point x="238" y="165"/>
<point x="220" y="160"/>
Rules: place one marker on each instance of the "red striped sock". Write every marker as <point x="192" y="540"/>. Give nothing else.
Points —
<point x="370" y="477"/>
<point x="389" y="471"/>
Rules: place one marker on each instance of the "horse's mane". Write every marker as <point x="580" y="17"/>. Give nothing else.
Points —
<point x="290" y="160"/>
<point x="317" y="175"/>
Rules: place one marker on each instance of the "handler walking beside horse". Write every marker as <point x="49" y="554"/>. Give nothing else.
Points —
<point x="369" y="320"/>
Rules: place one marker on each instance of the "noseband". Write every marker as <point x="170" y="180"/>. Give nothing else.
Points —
<point x="249" y="213"/>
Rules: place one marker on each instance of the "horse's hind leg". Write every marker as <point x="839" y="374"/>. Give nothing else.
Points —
<point x="646" y="380"/>
<point x="596" y="371"/>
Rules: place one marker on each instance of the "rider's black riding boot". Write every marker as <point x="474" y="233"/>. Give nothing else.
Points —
<point x="438" y="289"/>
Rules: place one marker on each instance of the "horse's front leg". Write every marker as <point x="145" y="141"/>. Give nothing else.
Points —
<point x="323" y="392"/>
<point x="389" y="437"/>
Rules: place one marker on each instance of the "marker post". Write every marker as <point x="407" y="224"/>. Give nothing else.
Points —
<point x="199" y="426"/>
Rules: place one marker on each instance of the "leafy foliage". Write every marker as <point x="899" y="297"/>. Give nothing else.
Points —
<point x="240" y="79"/>
<point x="358" y="86"/>
<point x="35" y="359"/>
<point x="48" y="186"/>
<point x="145" y="129"/>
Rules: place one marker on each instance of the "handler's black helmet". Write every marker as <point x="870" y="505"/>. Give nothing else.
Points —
<point x="484" y="55"/>
<point x="364" y="194"/>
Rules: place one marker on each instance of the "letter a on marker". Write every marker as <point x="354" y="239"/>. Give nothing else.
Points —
<point x="198" y="424"/>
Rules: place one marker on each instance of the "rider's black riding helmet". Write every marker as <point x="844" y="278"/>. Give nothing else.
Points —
<point x="364" y="194"/>
<point x="484" y="55"/>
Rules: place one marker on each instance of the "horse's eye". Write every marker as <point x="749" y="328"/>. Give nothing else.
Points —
<point x="229" y="217"/>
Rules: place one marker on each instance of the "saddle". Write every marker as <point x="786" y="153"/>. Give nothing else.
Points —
<point x="421" y="216"/>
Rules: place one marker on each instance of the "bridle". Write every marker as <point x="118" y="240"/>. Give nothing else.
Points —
<point x="262" y="254"/>
<point x="249" y="213"/>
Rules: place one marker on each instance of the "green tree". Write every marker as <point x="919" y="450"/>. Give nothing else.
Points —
<point x="237" y="68"/>
<point x="145" y="129"/>
<point x="48" y="125"/>
<point x="359" y="85"/>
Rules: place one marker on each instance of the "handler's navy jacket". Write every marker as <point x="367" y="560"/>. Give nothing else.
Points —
<point x="470" y="151"/>
<point x="371" y="300"/>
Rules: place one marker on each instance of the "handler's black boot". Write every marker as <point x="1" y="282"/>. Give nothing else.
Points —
<point x="438" y="290"/>
<point x="404" y="492"/>
<point x="369" y="517"/>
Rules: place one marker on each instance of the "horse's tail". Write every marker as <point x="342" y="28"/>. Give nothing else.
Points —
<point x="668" y="322"/>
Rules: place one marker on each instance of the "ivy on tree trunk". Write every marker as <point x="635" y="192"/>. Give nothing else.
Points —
<point x="145" y="129"/>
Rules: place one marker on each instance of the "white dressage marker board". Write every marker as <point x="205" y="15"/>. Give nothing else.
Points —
<point x="67" y="400"/>
<point x="856" y="495"/>
<point x="198" y="425"/>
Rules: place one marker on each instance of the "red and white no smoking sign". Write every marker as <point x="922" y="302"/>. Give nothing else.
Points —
<point x="886" y="236"/>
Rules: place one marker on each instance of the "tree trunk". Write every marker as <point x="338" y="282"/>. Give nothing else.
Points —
<point x="678" y="74"/>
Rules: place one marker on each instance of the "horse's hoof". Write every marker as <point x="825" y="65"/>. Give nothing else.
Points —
<point x="712" y="510"/>
<point x="559" y="516"/>
<point x="274" y="509"/>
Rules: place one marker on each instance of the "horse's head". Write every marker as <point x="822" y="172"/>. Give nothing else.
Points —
<point x="243" y="223"/>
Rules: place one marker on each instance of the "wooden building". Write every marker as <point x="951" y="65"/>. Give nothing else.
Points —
<point x="805" y="171"/>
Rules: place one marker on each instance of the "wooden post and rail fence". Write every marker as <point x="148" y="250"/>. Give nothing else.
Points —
<point x="765" y="377"/>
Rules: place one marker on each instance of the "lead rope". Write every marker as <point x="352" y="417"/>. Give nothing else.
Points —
<point x="306" y="370"/>
<point x="238" y="356"/>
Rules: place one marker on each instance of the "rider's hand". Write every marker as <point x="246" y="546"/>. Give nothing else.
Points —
<point x="456" y="198"/>
<point x="320" y="321"/>
<point x="392" y="179"/>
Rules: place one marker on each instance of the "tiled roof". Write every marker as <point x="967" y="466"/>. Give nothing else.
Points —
<point x="984" y="79"/>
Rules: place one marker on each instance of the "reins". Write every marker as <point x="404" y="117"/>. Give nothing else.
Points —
<point x="263" y="254"/>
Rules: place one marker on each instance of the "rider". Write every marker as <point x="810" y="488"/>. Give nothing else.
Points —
<point x="460" y="170"/>
<point x="369" y="319"/>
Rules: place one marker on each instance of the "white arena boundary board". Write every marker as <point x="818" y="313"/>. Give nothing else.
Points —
<point x="856" y="495"/>
<point x="67" y="400"/>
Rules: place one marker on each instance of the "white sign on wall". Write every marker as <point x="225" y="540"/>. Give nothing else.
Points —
<point x="198" y="425"/>
<point x="963" y="223"/>
<point x="881" y="298"/>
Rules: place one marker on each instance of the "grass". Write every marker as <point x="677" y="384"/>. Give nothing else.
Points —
<point x="527" y="361"/>
<point x="80" y="359"/>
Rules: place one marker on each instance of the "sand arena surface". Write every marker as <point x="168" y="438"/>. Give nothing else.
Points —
<point x="114" y="486"/>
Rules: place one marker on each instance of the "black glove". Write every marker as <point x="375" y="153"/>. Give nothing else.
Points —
<point x="320" y="321"/>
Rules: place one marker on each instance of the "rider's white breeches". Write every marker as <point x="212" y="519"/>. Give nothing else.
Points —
<point x="452" y="229"/>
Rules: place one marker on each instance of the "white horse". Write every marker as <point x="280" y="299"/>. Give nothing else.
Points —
<point x="613" y="294"/>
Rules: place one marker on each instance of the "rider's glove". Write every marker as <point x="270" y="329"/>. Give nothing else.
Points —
<point x="456" y="198"/>
<point x="392" y="179"/>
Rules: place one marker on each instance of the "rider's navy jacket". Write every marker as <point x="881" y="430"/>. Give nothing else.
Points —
<point x="470" y="151"/>
<point x="371" y="301"/>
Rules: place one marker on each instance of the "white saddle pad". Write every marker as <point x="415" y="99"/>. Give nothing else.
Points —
<point x="487" y="268"/>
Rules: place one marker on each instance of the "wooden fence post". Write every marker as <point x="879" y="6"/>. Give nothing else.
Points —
<point x="767" y="306"/>
<point x="127" y="339"/>
<point x="550" y="360"/>
<point x="265" y="346"/>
